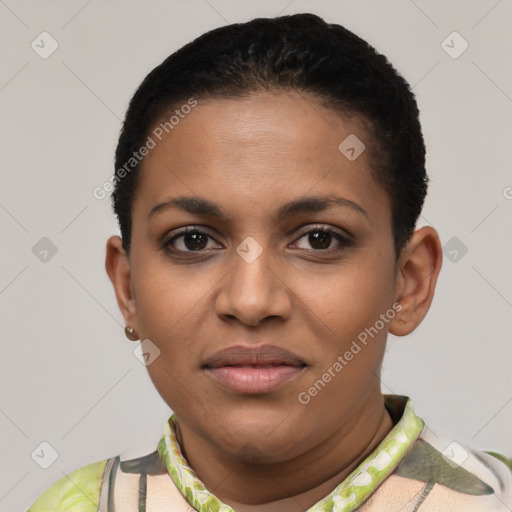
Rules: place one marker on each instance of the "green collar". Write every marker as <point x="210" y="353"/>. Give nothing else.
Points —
<point x="346" y="497"/>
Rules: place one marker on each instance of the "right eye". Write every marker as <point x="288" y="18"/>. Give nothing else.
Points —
<point x="189" y="239"/>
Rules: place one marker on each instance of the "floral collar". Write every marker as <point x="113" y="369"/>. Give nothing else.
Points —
<point x="346" y="497"/>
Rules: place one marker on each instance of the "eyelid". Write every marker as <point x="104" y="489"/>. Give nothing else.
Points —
<point x="188" y="228"/>
<point x="192" y="228"/>
<point x="324" y="227"/>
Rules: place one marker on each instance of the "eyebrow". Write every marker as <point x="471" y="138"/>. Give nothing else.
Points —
<point x="201" y="206"/>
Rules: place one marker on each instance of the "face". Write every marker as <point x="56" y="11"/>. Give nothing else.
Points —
<point x="255" y="286"/>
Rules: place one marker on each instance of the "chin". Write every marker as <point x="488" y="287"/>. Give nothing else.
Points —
<point x="262" y="451"/>
<point x="260" y="439"/>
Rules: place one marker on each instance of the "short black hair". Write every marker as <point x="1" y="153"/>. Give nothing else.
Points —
<point x="300" y="53"/>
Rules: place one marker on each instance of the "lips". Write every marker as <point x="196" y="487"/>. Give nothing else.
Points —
<point x="253" y="370"/>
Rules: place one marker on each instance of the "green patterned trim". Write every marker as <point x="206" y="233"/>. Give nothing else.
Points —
<point x="346" y="497"/>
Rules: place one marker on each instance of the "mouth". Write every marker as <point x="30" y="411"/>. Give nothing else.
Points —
<point x="253" y="370"/>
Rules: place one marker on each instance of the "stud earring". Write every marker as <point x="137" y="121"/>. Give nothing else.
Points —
<point x="130" y="333"/>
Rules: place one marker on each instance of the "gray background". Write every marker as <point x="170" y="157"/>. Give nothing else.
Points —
<point x="68" y="375"/>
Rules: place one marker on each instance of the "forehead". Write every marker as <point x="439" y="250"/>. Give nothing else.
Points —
<point x="260" y="151"/>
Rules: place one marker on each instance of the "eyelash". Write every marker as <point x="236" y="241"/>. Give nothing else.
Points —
<point x="345" y="242"/>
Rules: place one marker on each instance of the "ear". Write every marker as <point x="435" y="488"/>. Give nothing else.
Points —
<point x="117" y="265"/>
<point x="418" y="268"/>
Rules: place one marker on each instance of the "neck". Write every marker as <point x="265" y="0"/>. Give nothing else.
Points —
<point x="293" y="485"/>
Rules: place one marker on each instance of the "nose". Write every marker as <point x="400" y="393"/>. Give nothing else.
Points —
<point x="254" y="290"/>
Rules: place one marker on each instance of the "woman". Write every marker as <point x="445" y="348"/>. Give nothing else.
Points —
<point x="269" y="176"/>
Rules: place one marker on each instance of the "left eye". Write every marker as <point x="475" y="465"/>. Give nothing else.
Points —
<point x="320" y="239"/>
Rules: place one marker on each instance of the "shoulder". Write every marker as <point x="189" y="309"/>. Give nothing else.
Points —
<point x="79" y="490"/>
<point x="507" y="461"/>
<point x="438" y="474"/>
<point x="114" y="484"/>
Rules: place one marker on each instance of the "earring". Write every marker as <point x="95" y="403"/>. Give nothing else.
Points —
<point x="130" y="333"/>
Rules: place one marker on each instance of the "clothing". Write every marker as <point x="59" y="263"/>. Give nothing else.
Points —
<point x="411" y="470"/>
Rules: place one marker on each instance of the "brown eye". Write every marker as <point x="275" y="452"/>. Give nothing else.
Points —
<point x="188" y="240"/>
<point x="194" y="241"/>
<point x="322" y="239"/>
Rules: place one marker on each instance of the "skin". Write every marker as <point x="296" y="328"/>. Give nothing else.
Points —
<point x="269" y="452"/>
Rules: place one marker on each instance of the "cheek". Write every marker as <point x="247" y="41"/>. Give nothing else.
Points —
<point x="169" y="305"/>
<point x="352" y="348"/>
<point x="354" y="297"/>
<point x="167" y="301"/>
